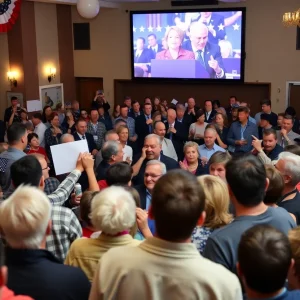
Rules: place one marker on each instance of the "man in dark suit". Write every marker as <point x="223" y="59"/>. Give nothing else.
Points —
<point x="153" y="45"/>
<point x="191" y="109"/>
<point x="153" y="145"/>
<point x="183" y="118"/>
<point x="105" y="118"/>
<point x="136" y="110"/>
<point x="142" y="56"/>
<point x="206" y="53"/>
<point x="210" y="113"/>
<point x="82" y="134"/>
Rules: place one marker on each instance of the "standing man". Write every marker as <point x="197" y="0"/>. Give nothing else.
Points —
<point x="142" y="56"/>
<point x="76" y="109"/>
<point x="12" y="112"/>
<point x="153" y="45"/>
<point x="266" y="107"/>
<point x="209" y="111"/>
<point x="96" y="129"/>
<point x="232" y="103"/>
<point x="100" y="101"/>
<point x="191" y="109"/>
<point x="39" y="127"/>
<point x="128" y="103"/>
<point x="143" y="125"/>
<point x="135" y="111"/>
<point x="286" y="135"/>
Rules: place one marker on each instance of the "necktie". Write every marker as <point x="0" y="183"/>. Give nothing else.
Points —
<point x="171" y="133"/>
<point x="200" y="57"/>
<point x="149" y="125"/>
<point x="83" y="137"/>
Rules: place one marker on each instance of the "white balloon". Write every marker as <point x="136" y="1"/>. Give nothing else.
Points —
<point x="88" y="8"/>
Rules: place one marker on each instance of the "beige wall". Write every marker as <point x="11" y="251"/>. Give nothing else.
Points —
<point x="4" y="68"/>
<point x="270" y="47"/>
<point x="47" y="41"/>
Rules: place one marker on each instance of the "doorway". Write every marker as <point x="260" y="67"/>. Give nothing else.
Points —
<point x="293" y="95"/>
<point x="86" y="88"/>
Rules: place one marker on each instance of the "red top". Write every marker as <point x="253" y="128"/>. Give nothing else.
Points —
<point x="182" y="54"/>
<point x="298" y="186"/>
<point x="102" y="184"/>
<point x="87" y="232"/>
<point x="9" y="295"/>
<point x="40" y="150"/>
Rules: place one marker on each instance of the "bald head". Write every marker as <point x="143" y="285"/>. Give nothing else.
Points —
<point x="171" y="115"/>
<point x="159" y="129"/>
<point x="67" y="138"/>
<point x="198" y="35"/>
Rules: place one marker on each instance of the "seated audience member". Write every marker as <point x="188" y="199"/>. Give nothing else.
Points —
<point x="96" y="129"/>
<point x="82" y="134"/>
<point x="209" y="147"/>
<point x="286" y="135"/>
<point x="222" y="129"/>
<point x="17" y="142"/>
<point x="217" y="164"/>
<point x="266" y="107"/>
<point x="265" y="123"/>
<point x="192" y="161"/>
<point x="112" y="213"/>
<point x="247" y="181"/>
<point x="294" y="273"/>
<point x="264" y="261"/>
<point x="196" y="131"/>
<point x="292" y="112"/>
<point x="216" y="209"/>
<point x="289" y="167"/>
<point x="153" y="147"/>
<point x="178" y="198"/>
<point x="39" y="127"/>
<point x="267" y="150"/>
<point x="105" y="118"/>
<point x="69" y="122"/>
<point x="123" y="133"/>
<point x="25" y="220"/>
<point x="168" y="149"/>
<point x="112" y="152"/>
<point x="240" y="133"/>
<point x="34" y="143"/>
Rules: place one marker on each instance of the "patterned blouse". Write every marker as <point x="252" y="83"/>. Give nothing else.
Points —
<point x="200" y="236"/>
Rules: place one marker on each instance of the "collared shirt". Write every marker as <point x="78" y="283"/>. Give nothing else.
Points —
<point x="205" y="152"/>
<point x="148" y="199"/>
<point x="168" y="149"/>
<point x="130" y="123"/>
<point x="40" y="131"/>
<point x="207" y="114"/>
<point x="51" y="185"/>
<point x="291" y="136"/>
<point x="252" y="120"/>
<point x="81" y="136"/>
<point x="98" y="132"/>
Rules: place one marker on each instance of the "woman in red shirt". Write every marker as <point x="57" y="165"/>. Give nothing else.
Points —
<point x="34" y="143"/>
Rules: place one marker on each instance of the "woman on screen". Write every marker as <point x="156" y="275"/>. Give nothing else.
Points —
<point x="174" y="37"/>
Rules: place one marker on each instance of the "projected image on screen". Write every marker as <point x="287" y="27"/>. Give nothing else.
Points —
<point x="194" y="45"/>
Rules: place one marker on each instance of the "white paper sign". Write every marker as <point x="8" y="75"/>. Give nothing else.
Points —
<point x="174" y="101"/>
<point x="34" y="105"/>
<point x="65" y="155"/>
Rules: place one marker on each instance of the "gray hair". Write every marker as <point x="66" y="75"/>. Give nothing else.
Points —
<point x="66" y="136"/>
<point x="180" y="106"/>
<point x="213" y="130"/>
<point x="157" y="137"/>
<point x="191" y="144"/>
<point x="157" y="162"/>
<point x="291" y="166"/>
<point x="109" y="149"/>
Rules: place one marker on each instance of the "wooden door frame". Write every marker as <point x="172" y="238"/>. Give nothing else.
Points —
<point x="287" y="91"/>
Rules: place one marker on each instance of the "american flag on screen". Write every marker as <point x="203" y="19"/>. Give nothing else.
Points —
<point x="154" y="20"/>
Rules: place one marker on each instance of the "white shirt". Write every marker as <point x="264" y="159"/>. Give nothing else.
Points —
<point x="81" y="136"/>
<point x="207" y="114"/>
<point x="138" y="53"/>
<point x="127" y="150"/>
<point x="168" y="149"/>
<point x="40" y="131"/>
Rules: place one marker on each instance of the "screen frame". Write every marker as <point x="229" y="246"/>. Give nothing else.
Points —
<point x="207" y="80"/>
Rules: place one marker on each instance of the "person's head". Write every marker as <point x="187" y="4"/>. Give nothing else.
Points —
<point x="124" y="111"/>
<point x="180" y="110"/>
<point x="159" y="128"/>
<point x="200" y="116"/>
<point x="25" y="218"/>
<point x="232" y="100"/>
<point x="112" y="152"/>
<point x="147" y="100"/>
<point x="66" y="138"/>
<point x="235" y="112"/>
<point x="127" y="101"/>
<point x="94" y="115"/>
<point x="86" y="207"/>
<point x="198" y="35"/>
<point x="47" y="110"/>
<point x="216" y="201"/>
<point x="216" y="104"/>
<point x="247" y="180"/>
<point x="191" y="152"/>
<point x="294" y="274"/>
<point x="43" y="163"/>
<point x="75" y="105"/>
<point x="59" y="107"/>
<point x="120" y="122"/>
<point x="152" y="40"/>
<point x="266" y="106"/>
<point x="81" y="126"/>
<point x="84" y="114"/>
<point x="123" y="133"/>
<point x="154" y="170"/>
<point x="217" y="164"/>
<point x="54" y="120"/>
<point x="276" y="185"/>
<point x="14" y="101"/>
<point x="17" y="135"/>
<point x="292" y="149"/>
<point x="29" y="127"/>
<point x="147" y="109"/>
<point x="119" y="174"/>
<point x="290" y="110"/>
<point x="171" y="115"/>
<point x="113" y="210"/>
<point x="269" y="139"/>
<point x="153" y="145"/>
<point x="178" y="198"/>
<point x="226" y="48"/>
<point x="191" y="103"/>
<point x="36" y="118"/>
<point x="280" y="119"/>
<point x="210" y="135"/>
<point x="264" y="259"/>
<point x="24" y="115"/>
<point x="208" y="105"/>
<point x="116" y="111"/>
<point x="287" y="123"/>
<point x="33" y="140"/>
<point x="156" y="101"/>
<point x="111" y="135"/>
<point x="174" y="37"/>
<point x="156" y="116"/>
<point x="243" y="114"/>
<point x="101" y="111"/>
<point x="221" y="119"/>
<point x="136" y="106"/>
<point x="265" y="120"/>
<point x="288" y="165"/>
<point x="140" y="43"/>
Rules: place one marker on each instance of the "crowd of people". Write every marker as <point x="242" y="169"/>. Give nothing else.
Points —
<point x="176" y="202"/>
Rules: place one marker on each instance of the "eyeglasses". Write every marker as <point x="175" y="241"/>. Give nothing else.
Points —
<point x="152" y="175"/>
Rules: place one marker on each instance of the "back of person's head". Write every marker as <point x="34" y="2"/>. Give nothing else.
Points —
<point x="290" y="167"/>
<point x="119" y="174"/>
<point x="86" y="205"/>
<point x="246" y="177"/>
<point x="276" y="185"/>
<point x="295" y="149"/>
<point x="177" y="204"/>
<point x="110" y="132"/>
<point x="264" y="258"/>
<point x="113" y="210"/>
<point x="219" y="157"/>
<point x="294" y="276"/>
<point x="37" y="115"/>
<point x="109" y="149"/>
<point x="15" y="132"/>
<point x="24" y="218"/>
<point x="216" y="201"/>
<point x="26" y="170"/>
<point x="244" y="109"/>
<point x="290" y="110"/>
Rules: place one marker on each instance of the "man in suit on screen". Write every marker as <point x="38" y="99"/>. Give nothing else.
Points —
<point x="153" y="46"/>
<point x="142" y="56"/>
<point x="206" y="53"/>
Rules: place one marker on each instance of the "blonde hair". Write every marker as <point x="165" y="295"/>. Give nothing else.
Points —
<point x="191" y="145"/>
<point x="24" y="217"/>
<point x="294" y="237"/>
<point x="177" y="30"/>
<point x="216" y="201"/>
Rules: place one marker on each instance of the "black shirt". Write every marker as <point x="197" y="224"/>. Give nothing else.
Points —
<point x="273" y="155"/>
<point x="292" y="205"/>
<point x="8" y="113"/>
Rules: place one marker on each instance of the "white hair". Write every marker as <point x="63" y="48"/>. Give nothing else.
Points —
<point x="113" y="210"/>
<point x="65" y="136"/>
<point x="157" y="137"/>
<point x="291" y="166"/>
<point x="157" y="162"/>
<point x="24" y="217"/>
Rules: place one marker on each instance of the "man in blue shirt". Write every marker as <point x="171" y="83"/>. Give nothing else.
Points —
<point x="209" y="147"/>
<point x="240" y="133"/>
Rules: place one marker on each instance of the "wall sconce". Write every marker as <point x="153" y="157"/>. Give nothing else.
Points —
<point x="12" y="78"/>
<point x="51" y="74"/>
